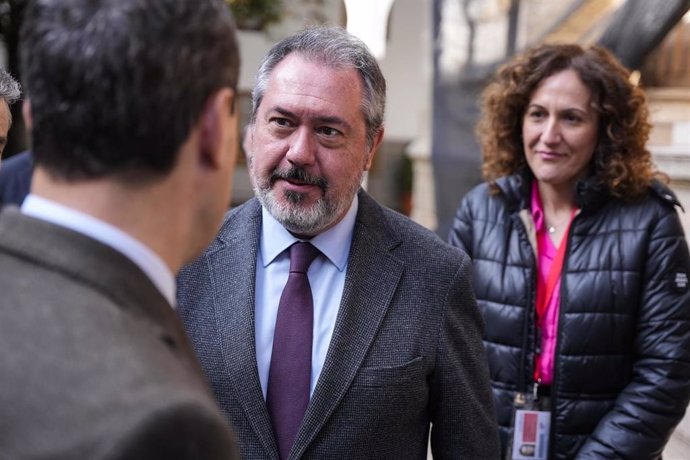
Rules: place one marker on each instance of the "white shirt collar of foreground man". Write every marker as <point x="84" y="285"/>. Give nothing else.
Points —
<point x="149" y="262"/>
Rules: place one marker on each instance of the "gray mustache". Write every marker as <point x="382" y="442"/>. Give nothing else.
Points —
<point x="299" y="175"/>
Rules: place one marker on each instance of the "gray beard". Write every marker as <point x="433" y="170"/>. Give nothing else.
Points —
<point x="305" y="221"/>
<point x="294" y="217"/>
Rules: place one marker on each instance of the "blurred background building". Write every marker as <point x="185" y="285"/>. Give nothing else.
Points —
<point x="436" y="56"/>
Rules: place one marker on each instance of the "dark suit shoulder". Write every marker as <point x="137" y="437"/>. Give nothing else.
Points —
<point x="76" y="352"/>
<point x="21" y="163"/>
<point x="15" y="177"/>
<point x="100" y="361"/>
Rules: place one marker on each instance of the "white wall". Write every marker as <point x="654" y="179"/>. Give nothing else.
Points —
<point x="408" y="69"/>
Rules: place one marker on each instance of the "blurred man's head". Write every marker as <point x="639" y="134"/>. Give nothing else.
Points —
<point x="134" y="100"/>
<point x="115" y="86"/>
<point x="9" y="93"/>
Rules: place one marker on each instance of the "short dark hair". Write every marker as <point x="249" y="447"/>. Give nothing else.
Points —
<point x="621" y="160"/>
<point x="334" y="47"/>
<point x="116" y="85"/>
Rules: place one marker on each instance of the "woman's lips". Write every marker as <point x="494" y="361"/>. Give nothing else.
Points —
<point x="550" y="155"/>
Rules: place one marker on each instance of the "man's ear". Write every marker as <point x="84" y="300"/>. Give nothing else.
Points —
<point x="26" y="113"/>
<point x="247" y="138"/>
<point x="374" y="147"/>
<point x="218" y="121"/>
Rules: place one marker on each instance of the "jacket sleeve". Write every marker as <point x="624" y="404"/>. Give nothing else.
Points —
<point x="653" y="403"/>
<point x="463" y="418"/>
<point x="461" y="231"/>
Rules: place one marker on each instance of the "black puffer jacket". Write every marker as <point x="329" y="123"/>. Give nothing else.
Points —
<point x="622" y="369"/>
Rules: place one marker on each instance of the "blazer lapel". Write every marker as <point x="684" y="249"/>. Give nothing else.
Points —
<point x="373" y="274"/>
<point x="234" y="311"/>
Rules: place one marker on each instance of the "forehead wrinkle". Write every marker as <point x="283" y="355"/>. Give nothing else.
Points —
<point x="575" y="95"/>
<point x="293" y="90"/>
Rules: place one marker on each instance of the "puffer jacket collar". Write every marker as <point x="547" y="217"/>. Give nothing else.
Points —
<point x="515" y="189"/>
<point x="591" y="194"/>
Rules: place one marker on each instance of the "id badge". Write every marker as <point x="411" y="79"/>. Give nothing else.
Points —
<point x="531" y="435"/>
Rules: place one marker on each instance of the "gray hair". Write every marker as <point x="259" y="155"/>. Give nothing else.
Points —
<point x="9" y="90"/>
<point x="334" y="47"/>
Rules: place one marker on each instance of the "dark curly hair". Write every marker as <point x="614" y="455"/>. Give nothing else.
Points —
<point x="621" y="160"/>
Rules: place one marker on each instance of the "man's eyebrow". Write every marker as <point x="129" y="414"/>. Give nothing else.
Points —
<point x="321" y="119"/>
<point x="282" y="111"/>
<point x="332" y="121"/>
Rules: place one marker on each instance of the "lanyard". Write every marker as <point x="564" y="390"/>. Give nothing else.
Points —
<point x="554" y="274"/>
<point x="544" y="295"/>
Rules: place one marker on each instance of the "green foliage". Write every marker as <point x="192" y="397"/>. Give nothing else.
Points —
<point x="249" y="14"/>
<point x="256" y="14"/>
<point x="10" y="16"/>
<point x="10" y="20"/>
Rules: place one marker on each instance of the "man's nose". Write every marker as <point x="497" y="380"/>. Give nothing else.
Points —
<point x="302" y="148"/>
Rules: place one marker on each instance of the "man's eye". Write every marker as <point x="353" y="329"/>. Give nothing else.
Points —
<point x="284" y="122"/>
<point x="328" y="131"/>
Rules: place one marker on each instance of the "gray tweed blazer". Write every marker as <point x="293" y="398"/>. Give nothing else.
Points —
<point x="406" y="352"/>
<point x="94" y="363"/>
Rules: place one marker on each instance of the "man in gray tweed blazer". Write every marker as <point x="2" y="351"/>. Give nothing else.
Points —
<point x="134" y="139"/>
<point x="396" y="337"/>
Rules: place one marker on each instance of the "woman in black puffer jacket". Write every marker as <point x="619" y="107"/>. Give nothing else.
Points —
<point x="607" y="349"/>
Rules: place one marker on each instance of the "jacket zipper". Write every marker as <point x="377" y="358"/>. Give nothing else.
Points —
<point x="527" y="374"/>
<point x="557" y="352"/>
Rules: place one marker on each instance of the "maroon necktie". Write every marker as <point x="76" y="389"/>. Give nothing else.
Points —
<point x="290" y="373"/>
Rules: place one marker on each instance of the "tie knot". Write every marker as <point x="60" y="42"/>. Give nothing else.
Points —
<point x="302" y="254"/>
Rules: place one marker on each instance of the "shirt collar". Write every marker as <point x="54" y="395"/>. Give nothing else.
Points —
<point x="149" y="262"/>
<point x="334" y="243"/>
<point x="537" y="208"/>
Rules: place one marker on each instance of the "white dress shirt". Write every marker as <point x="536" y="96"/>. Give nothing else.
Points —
<point x="149" y="262"/>
<point x="326" y="277"/>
